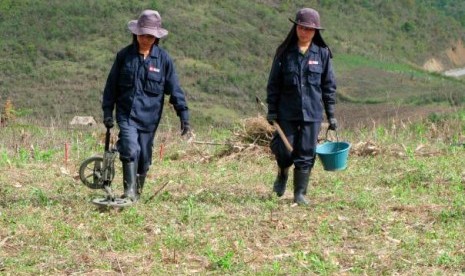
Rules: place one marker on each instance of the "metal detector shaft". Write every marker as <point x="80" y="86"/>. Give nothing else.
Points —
<point x="108" y="160"/>
<point x="107" y="140"/>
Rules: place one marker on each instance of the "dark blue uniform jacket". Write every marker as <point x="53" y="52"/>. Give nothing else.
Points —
<point x="137" y="87"/>
<point x="301" y="85"/>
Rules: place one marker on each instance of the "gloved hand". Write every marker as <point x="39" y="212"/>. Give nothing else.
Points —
<point x="332" y="124"/>
<point x="271" y="116"/>
<point x="108" y="122"/>
<point x="185" y="128"/>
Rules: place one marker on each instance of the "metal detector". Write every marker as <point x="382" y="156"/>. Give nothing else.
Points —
<point x="98" y="172"/>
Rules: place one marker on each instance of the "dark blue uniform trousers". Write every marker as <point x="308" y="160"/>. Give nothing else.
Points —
<point x="303" y="136"/>
<point x="136" y="146"/>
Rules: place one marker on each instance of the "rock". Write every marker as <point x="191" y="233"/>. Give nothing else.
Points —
<point x="83" y="120"/>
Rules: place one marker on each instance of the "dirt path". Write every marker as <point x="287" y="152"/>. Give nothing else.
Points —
<point x="354" y="116"/>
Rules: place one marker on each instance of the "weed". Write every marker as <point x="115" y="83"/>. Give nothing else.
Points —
<point x="447" y="260"/>
<point x="4" y="159"/>
<point x="364" y="201"/>
<point x="271" y="204"/>
<point x="42" y="198"/>
<point x="188" y="209"/>
<point x="23" y="156"/>
<point x="43" y="155"/>
<point x="166" y="196"/>
<point x="319" y="265"/>
<point x="276" y="268"/>
<point x="174" y="241"/>
<point x="224" y="262"/>
<point x="452" y="216"/>
<point x="133" y="218"/>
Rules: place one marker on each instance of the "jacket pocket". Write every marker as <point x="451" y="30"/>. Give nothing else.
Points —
<point x="154" y="84"/>
<point x="126" y="78"/>
<point x="314" y="74"/>
<point x="290" y="77"/>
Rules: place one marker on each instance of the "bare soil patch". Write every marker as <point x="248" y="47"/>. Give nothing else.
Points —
<point x="354" y="116"/>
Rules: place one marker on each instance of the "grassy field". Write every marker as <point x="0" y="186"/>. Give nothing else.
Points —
<point x="397" y="209"/>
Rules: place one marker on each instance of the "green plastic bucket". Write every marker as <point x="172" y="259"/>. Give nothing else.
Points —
<point x="333" y="155"/>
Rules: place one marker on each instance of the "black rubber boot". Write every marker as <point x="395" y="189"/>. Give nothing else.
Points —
<point x="129" y="181"/>
<point x="140" y="184"/>
<point x="301" y="179"/>
<point x="279" y="186"/>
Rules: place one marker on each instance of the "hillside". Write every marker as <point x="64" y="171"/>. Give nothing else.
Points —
<point x="56" y="55"/>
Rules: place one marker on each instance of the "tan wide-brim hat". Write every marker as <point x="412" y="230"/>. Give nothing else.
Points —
<point x="307" y="17"/>
<point x="148" y="23"/>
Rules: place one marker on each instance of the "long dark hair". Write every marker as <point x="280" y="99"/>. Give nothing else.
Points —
<point x="291" y="39"/>
<point x="134" y="40"/>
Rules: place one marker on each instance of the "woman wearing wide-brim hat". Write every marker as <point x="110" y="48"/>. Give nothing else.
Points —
<point x="301" y="86"/>
<point x="141" y="76"/>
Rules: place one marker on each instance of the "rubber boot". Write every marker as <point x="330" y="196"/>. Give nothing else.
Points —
<point x="301" y="179"/>
<point x="129" y="181"/>
<point x="140" y="184"/>
<point x="279" y="186"/>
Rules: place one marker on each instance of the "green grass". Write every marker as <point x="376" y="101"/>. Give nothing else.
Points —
<point x="398" y="212"/>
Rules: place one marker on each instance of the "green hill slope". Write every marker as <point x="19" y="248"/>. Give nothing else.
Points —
<point x="56" y="55"/>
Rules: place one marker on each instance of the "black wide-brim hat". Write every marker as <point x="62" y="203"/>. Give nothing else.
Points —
<point x="307" y="17"/>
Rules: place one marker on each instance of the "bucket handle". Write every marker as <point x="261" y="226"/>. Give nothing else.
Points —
<point x="326" y="137"/>
<point x="337" y="137"/>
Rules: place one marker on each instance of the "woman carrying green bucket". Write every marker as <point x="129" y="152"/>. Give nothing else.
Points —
<point x="301" y="84"/>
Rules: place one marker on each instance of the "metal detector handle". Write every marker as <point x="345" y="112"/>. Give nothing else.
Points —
<point x="107" y="140"/>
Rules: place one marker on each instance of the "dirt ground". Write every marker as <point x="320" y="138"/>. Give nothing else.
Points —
<point x="352" y="116"/>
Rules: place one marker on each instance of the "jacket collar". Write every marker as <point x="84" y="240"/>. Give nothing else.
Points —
<point x="153" y="54"/>
<point x="313" y="48"/>
<point x="155" y="51"/>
